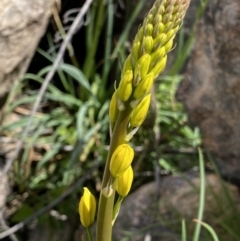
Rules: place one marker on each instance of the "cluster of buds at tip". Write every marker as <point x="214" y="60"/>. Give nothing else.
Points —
<point x="148" y="57"/>
<point x="87" y="208"/>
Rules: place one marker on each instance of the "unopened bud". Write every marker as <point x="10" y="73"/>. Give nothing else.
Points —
<point x="121" y="159"/>
<point x="144" y="86"/>
<point x="124" y="183"/>
<point x="125" y="86"/>
<point x="157" y="55"/>
<point x="87" y="208"/>
<point x="148" y="30"/>
<point x="159" y="67"/>
<point x="140" y="112"/>
<point x="160" y="40"/>
<point x="147" y="45"/>
<point x="135" y="51"/>
<point x="113" y="108"/>
<point x="127" y="64"/>
<point x="141" y="68"/>
<point x="168" y="46"/>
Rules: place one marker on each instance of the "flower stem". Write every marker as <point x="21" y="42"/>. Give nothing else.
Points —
<point x="89" y="234"/>
<point x="105" y="209"/>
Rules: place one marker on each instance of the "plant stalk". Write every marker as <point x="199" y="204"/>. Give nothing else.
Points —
<point x="105" y="209"/>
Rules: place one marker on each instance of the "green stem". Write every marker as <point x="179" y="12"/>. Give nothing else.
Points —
<point x="89" y="234"/>
<point x="105" y="208"/>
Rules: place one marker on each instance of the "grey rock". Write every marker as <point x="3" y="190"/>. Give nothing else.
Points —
<point x="210" y="91"/>
<point x="144" y="216"/>
<point x="22" y="24"/>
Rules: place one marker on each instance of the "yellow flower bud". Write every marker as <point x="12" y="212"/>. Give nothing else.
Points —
<point x="121" y="159"/>
<point x="141" y="68"/>
<point x="125" y="86"/>
<point x="159" y="67"/>
<point x="160" y="40"/>
<point x="113" y="108"/>
<point x="87" y="208"/>
<point x="139" y="35"/>
<point x="144" y="86"/>
<point x="168" y="46"/>
<point x="157" y="55"/>
<point x="158" y="29"/>
<point x="147" y="45"/>
<point x="140" y="112"/>
<point x="148" y="30"/>
<point x="171" y="34"/>
<point x="127" y="64"/>
<point x="124" y="183"/>
<point x="135" y="51"/>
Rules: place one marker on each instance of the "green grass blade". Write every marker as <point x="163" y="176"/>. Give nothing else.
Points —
<point x="128" y="27"/>
<point x="108" y="45"/>
<point x="209" y="228"/>
<point x="201" y="196"/>
<point x="184" y="231"/>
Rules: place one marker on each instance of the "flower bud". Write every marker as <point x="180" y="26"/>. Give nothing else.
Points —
<point x="157" y="55"/>
<point x="160" y="40"/>
<point x="140" y="112"/>
<point x="148" y="29"/>
<point x="87" y="208"/>
<point x="171" y="34"/>
<point x="168" y="46"/>
<point x="127" y="64"/>
<point x="159" y="67"/>
<point x="135" y="51"/>
<point x="140" y="34"/>
<point x="144" y="86"/>
<point x="113" y="108"/>
<point x="125" y="86"/>
<point x="121" y="159"/>
<point x="124" y="183"/>
<point x="141" y="68"/>
<point x="147" y="45"/>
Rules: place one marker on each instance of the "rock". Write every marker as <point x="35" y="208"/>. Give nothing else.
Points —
<point x="211" y="90"/>
<point x="143" y="215"/>
<point x="22" y="25"/>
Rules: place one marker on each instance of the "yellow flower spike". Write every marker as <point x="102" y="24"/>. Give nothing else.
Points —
<point x="124" y="183"/>
<point x="87" y="208"/>
<point x="125" y="86"/>
<point x="159" y="67"/>
<point x="140" y="112"/>
<point x="144" y="86"/>
<point x="141" y="68"/>
<point x="127" y="64"/>
<point x="121" y="159"/>
<point x="147" y="45"/>
<point x="113" y="108"/>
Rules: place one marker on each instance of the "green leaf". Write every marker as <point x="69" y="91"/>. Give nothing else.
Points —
<point x="22" y="213"/>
